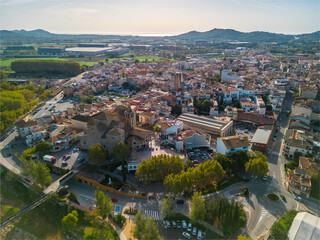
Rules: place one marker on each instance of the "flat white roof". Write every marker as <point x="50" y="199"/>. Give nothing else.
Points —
<point x="88" y="49"/>
<point x="261" y="136"/>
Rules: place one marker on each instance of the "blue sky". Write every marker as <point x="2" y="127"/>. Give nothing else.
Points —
<point x="153" y="17"/>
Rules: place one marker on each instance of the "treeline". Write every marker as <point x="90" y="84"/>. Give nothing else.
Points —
<point x="195" y="178"/>
<point x="52" y="67"/>
<point x="16" y="101"/>
<point x="158" y="167"/>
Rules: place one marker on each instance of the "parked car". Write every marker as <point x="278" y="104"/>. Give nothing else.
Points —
<point x="189" y="227"/>
<point x="199" y="237"/>
<point x="243" y="188"/>
<point x="283" y="198"/>
<point x="194" y="231"/>
<point x="174" y="225"/>
<point x="76" y="149"/>
<point x="264" y="178"/>
<point x="114" y="199"/>
<point x="178" y="224"/>
<point x="164" y="224"/>
<point x="186" y="235"/>
<point x="67" y="157"/>
<point x="184" y="224"/>
<point x="64" y="163"/>
<point x="81" y="160"/>
<point x="168" y="224"/>
<point x="299" y="199"/>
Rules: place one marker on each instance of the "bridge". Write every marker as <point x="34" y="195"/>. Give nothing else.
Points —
<point x="55" y="187"/>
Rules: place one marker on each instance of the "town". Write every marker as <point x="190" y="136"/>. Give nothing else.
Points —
<point x="161" y="144"/>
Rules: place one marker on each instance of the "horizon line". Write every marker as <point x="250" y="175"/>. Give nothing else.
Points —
<point x="148" y="34"/>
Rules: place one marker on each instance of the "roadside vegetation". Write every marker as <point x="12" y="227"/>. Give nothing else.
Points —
<point x="280" y="228"/>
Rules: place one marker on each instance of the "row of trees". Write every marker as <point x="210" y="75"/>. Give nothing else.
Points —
<point x="53" y="67"/>
<point x="229" y="215"/>
<point x="158" y="167"/>
<point x="194" y="179"/>
<point x="255" y="162"/>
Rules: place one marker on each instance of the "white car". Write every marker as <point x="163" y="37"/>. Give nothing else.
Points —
<point x="299" y="199"/>
<point x="194" y="232"/>
<point x="265" y="178"/>
<point x="189" y="227"/>
<point x="184" y="224"/>
<point x="186" y="235"/>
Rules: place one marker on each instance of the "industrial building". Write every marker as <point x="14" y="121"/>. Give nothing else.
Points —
<point x="208" y="125"/>
<point x="50" y="51"/>
<point x="305" y="226"/>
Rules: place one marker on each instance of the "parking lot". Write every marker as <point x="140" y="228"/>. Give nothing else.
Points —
<point x="72" y="161"/>
<point x="199" y="155"/>
<point x="176" y="230"/>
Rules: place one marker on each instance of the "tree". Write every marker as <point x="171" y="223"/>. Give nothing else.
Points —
<point x="158" y="167"/>
<point x="139" y="226"/>
<point x="3" y="76"/>
<point x="176" y="110"/>
<point x="315" y="186"/>
<point x="156" y="128"/>
<point x="103" y="204"/>
<point x="42" y="147"/>
<point x="145" y="228"/>
<point x="197" y="207"/>
<point x="91" y="216"/>
<point x="97" y="154"/>
<point x="70" y="221"/>
<point x="151" y="231"/>
<point x="40" y="173"/>
<point x="258" y="166"/>
<point x="167" y="205"/>
<point x="296" y="156"/>
<point x="121" y="152"/>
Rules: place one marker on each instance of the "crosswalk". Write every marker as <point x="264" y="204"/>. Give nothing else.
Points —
<point x="151" y="213"/>
<point x="264" y="212"/>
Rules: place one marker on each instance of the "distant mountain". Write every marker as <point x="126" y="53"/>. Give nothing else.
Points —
<point x="223" y="35"/>
<point x="216" y="35"/>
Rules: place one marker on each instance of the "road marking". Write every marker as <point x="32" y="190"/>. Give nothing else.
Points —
<point x="151" y="213"/>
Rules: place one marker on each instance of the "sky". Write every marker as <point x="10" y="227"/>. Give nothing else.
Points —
<point x="160" y="17"/>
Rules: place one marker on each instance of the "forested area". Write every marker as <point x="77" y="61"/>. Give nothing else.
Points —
<point x="51" y="67"/>
<point x="17" y="100"/>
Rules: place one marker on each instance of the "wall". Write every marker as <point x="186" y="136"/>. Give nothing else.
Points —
<point x="95" y="184"/>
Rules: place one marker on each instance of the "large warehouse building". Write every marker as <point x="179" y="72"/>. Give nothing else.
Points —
<point x="205" y="124"/>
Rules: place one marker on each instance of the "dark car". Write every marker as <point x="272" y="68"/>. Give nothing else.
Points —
<point x="283" y="198"/>
<point x="179" y="224"/>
